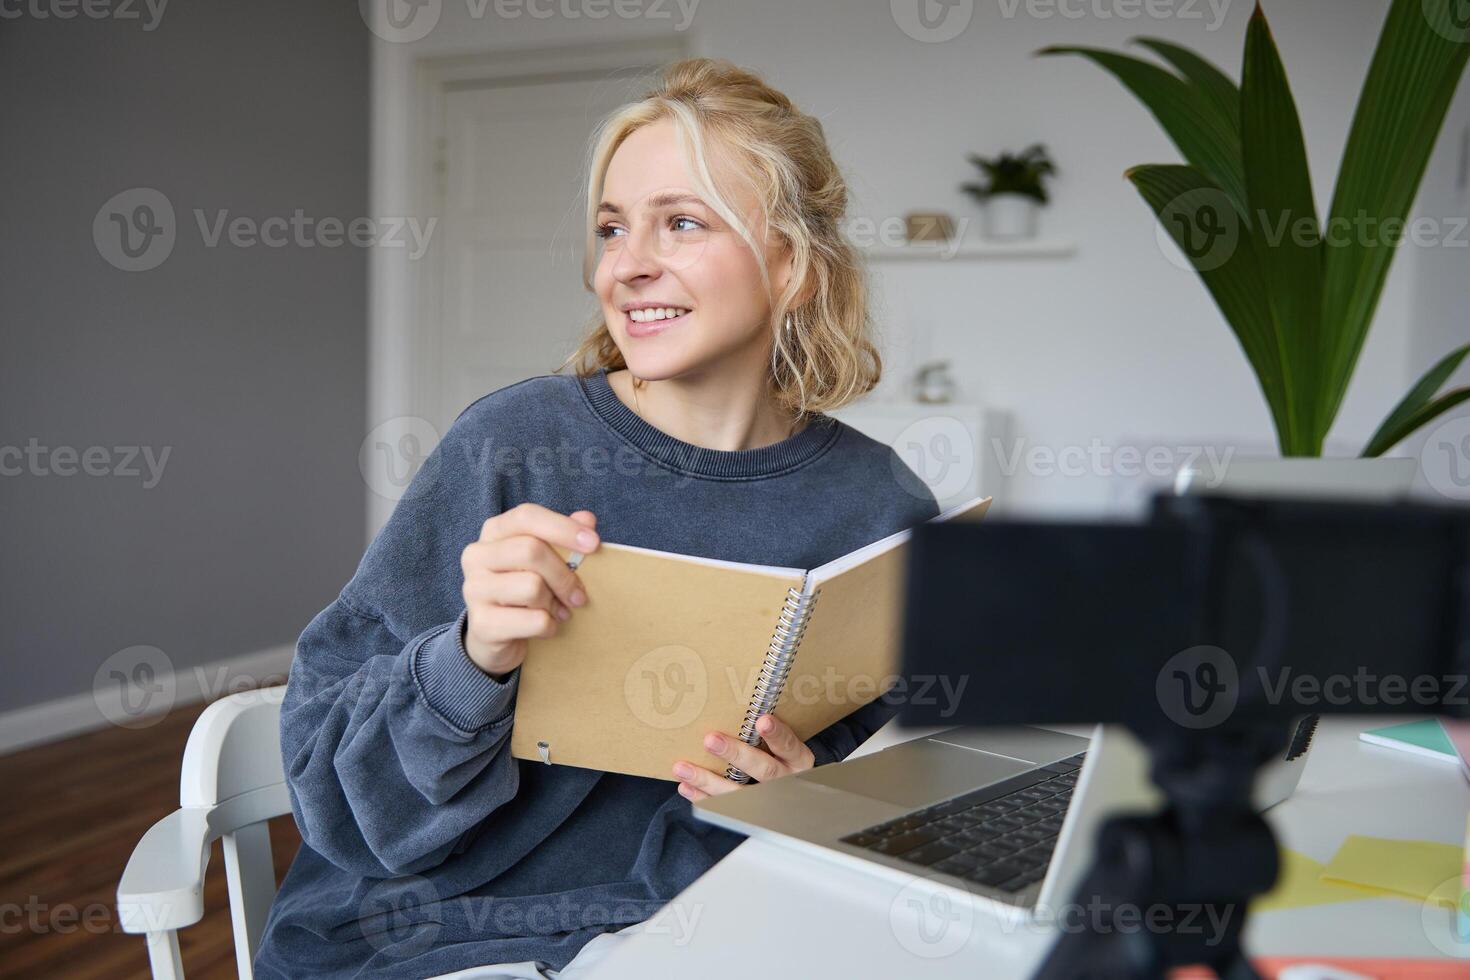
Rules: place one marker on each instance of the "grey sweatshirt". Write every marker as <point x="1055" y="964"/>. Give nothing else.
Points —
<point x="427" y="847"/>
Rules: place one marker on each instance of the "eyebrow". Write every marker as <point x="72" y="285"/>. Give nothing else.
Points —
<point x="667" y="199"/>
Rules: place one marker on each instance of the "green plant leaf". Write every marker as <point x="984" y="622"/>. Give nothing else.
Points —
<point x="1284" y="217"/>
<point x="1408" y="414"/>
<point x="1203" y="132"/>
<point x="1420" y="58"/>
<point x="1425" y="414"/>
<point x="1210" y="80"/>
<point x="1194" y="211"/>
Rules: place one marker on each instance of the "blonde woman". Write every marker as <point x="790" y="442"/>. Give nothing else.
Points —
<point x="731" y="315"/>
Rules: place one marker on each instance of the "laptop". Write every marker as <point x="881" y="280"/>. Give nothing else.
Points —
<point x="1006" y="815"/>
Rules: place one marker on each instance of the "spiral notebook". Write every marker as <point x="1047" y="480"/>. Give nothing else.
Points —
<point x="670" y="647"/>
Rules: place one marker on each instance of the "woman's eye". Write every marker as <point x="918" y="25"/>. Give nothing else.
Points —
<point x="605" y="231"/>
<point x="690" y="220"/>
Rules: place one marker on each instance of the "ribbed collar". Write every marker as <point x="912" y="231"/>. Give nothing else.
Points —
<point x="685" y="457"/>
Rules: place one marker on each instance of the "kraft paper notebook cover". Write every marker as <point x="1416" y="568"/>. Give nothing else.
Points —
<point x="670" y="647"/>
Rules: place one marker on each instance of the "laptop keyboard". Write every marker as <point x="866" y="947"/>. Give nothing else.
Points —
<point x="1001" y="836"/>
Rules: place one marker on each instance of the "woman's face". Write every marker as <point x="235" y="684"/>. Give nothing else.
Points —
<point x="663" y="247"/>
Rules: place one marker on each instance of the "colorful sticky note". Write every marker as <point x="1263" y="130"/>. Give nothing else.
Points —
<point x="1298" y="885"/>
<point x="1423" y="870"/>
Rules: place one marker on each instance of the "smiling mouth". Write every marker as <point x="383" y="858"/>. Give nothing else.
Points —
<point x="642" y="328"/>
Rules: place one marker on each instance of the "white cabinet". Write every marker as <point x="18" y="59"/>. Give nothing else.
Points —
<point x="955" y="448"/>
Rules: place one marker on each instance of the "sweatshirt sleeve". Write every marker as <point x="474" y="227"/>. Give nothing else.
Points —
<point x="395" y="744"/>
<point x="836" y="742"/>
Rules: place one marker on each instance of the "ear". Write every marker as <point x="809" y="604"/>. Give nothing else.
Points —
<point x="782" y="276"/>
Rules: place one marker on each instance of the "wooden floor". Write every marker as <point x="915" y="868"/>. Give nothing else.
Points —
<point x="72" y="812"/>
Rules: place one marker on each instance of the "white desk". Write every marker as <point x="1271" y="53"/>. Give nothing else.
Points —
<point x="772" y="912"/>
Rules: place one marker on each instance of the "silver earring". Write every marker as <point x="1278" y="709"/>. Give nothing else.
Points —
<point x="788" y="324"/>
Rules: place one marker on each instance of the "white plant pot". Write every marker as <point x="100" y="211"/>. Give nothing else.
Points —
<point x="1335" y="477"/>
<point x="1009" y="217"/>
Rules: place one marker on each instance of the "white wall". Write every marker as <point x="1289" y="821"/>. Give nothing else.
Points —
<point x="1116" y="344"/>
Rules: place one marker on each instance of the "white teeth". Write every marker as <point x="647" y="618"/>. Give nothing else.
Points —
<point x="655" y="313"/>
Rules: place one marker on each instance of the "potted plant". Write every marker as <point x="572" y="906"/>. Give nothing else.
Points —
<point x="1299" y="292"/>
<point x="1012" y="191"/>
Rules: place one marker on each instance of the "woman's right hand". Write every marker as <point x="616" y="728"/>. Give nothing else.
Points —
<point x="515" y="584"/>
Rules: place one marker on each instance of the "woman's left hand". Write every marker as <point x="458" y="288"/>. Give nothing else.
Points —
<point x="780" y="754"/>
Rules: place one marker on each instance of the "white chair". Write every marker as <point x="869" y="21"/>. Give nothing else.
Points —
<point x="232" y="783"/>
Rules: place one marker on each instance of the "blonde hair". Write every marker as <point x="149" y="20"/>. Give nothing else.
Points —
<point x="828" y="357"/>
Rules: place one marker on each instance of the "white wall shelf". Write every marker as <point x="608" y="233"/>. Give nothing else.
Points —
<point x="1040" y="248"/>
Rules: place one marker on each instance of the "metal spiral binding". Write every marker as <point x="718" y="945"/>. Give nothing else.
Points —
<point x="791" y="624"/>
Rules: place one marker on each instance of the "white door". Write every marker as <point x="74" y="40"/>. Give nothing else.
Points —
<point x="509" y="292"/>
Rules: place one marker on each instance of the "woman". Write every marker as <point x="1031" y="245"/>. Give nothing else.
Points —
<point x="732" y="314"/>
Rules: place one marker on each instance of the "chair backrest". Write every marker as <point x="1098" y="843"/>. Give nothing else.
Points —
<point x="234" y="748"/>
<point x="232" y="764"/>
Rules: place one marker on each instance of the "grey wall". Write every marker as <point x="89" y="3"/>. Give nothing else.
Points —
<point x="246" y="364"/>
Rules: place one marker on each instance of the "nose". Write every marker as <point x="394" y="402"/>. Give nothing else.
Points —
<point x="639" y="255"/>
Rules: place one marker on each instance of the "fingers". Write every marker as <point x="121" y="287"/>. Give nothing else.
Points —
<point x="754" y="762"/>
<point x="543" y="523"/>
<point x="524" y="552"/>
<point x="782" y="743"/>
<point x="696" y="783"/>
